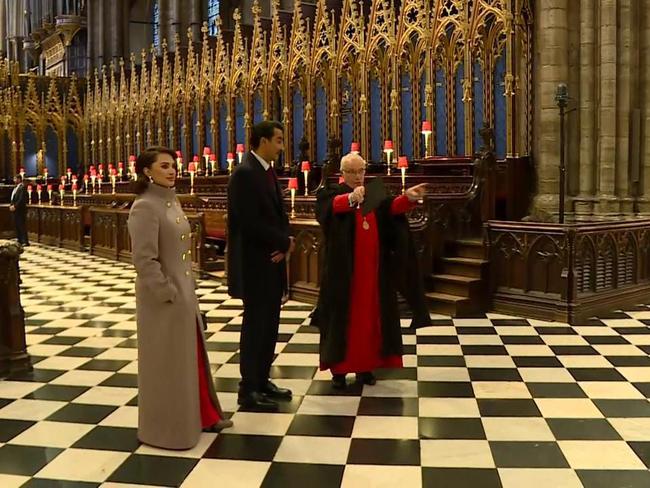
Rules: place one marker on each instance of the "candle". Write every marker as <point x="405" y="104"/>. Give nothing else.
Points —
<point x="388" y="149"/>
<point x="206" y="157"/>
<point x="132" y="160"/>
<point x="426" y="131"/>
<point x="74" y="194"/>
<point x="213" y="163"/>
<point x="49" y="193"/>
<point x="230" y="159"/>
<point x="61" y="193"/>
<point x="29" y="193"/>
<point x="101" y="169"/>
<point x="179" y="162"/>
<point x="45" y="174"/>
<point x="86" y="178"/>
<point x="306" y="168"/>
<point x="39" y="189"/>
<point x="113" y="176"/>
<point x="293" y="187"/>
<point x="403" y="164"/>
<point x="191" y="168"/>
<point x="120" y="169"/>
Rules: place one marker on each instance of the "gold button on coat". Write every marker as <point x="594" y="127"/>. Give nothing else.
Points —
<point x="178" y="220"/>
<point x="169" y="204"/>
<point x="187" y="273"/>
<point x="183" y="236"/>
<point x="184" y="256"/>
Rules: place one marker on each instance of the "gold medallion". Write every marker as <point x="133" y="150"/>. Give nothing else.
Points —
<point x="365" y="225"/>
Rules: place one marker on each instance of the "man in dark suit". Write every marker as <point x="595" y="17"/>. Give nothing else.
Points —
<point x="258" y="245"/>
<point x="18" y="207"/>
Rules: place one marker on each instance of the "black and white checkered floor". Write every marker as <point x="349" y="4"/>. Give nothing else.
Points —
<point x="481" y="403"/>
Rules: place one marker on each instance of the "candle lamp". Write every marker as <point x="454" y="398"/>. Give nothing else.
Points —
<point x="213" y="164"/>
<point x="39" y="189"/>
<point x="293" y="187"/>
<point x="388" y="150"/>
<point x="403" y="164"/>
<point x="197" y="165"/>
<point x="29" y="193"/>
<point x="426" y="132"/>
<point x="93" y="177"/>
<point x="240" y="152"/>
<point x="63" y="181"/>
<point x="230" y="159"/>
<point x="191" y="168"/>
<point x="100" y="168"/>
<point x="86" y="178"/>
<point x="69" y="174"/>
<point x="179" y="162"/>
<point x="120" y="169"/>
<point x="22" y="173"/>
<point x="355" y="148"/>
<point x="100" y="179"/>
<point x="45" y="175"/>
<point x="306" y="168"/>
<point x="49" y="193"/>
<point x="113" y="177"/>
<point x="74" y="194"/>
<point x="206" y="156"/>
<point x="61" y="194"/>
<point x="132" y="160"/>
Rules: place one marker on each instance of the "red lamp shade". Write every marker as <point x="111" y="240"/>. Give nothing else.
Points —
<point x="355" y="147"/>
<point x="113" y="172"/>
<point x="93" y="172"/>
<point x="179" y="154"/>
<point x="61" y="187"/>
<point x="426" y="126"/>
<point x="74" y="178"/>
<point x="293" y="183"/>
<point x="206" y="151"/>
<point x="86" y="177"/>
<point x="133" y="158"/>
<point x="92" y="168"/>
<point x="213" y="157"/>
<point x="240" y="148"/>
<point x="230" y="156"/>
<point x="191" y="167"/>
<point x="120" y="165"/>
<point x="403" y="162"/>
<point x="100" y="166"/>
<point x="49" y="187"/>
<point x="196" y="159"/>
<point x="74" y="187"/>
<point x="39" y="187"/>
<point x="388" y="145"/>
<point x="69" y="170"/>
<point x="305" y="166"/>
<point x="22" y="170"/>
<point x="29" y="187"/>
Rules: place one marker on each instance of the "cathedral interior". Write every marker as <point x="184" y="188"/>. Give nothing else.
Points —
<point x="528" y="119"/>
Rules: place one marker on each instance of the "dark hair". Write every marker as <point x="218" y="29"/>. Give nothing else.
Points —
<point x="18" y="177"/>
<point x="145" y="160"/>
<point x="264" y="129"/>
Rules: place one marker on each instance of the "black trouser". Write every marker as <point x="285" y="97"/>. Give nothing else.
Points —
<point x="259" y="334"/>
<point x="20" y="220"/>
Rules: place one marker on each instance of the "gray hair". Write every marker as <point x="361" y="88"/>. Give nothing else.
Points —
<point x="349" y="158"/>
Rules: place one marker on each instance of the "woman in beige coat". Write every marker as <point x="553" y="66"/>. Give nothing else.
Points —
<point x="176" y="396"/>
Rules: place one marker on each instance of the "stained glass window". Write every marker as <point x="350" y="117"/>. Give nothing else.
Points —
<point x="156" y="24"/>
<point x="213" y="11"/>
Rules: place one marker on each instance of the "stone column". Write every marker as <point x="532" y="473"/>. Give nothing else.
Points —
<point x="623" y="104"/>
<point x="164" y="20"/>
<point x="175" y="23"/>
<point x="90" y="38"/>
<point x="100" y="37"/>
<point x="195" y="19"/>
<point x="644" y="37"/>
<point x="587" y="105"/>
<point x="552" y="67"/>
<point x="607" y="87"/>
<point x="3" y="30"/>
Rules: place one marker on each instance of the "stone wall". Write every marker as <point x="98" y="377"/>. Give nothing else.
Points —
<point x="601" y="50"/>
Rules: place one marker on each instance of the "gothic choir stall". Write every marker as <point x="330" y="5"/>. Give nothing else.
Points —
<point x="399" y="240"/>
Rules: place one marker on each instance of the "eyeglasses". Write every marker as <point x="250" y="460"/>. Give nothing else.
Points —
<point x="358" y="172"/>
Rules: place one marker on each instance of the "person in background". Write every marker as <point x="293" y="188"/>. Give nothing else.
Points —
<point x="176" y="395"/>
<point x="18" y="207"/>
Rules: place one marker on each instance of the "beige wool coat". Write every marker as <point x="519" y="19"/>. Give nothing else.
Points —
<point x="168" y="321"/>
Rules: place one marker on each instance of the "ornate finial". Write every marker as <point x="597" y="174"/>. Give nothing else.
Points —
<point x="204" y="28"/>
<point x="256" y="8"/>
<point x="121" y="63"/>
<point x="143" y="55"/>
<point x="177" y="40"/>
<point x="236" y="15"/>
<point x="164" y="45"/>
<point x="131" y="58"/>
<point x="189" y="34"/>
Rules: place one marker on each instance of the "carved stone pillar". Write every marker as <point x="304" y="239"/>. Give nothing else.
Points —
<point x="13" y="348"/>
<point x="644" y="102"/>
<point x="551" y="67"/>
<point x="195" y="19"/>
<point x="3" y="30"/>
<point x="91" y="14"/>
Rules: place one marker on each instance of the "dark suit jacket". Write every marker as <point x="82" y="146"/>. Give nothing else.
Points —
<point x="257" y="226"/>
<point x="20" y="200"/>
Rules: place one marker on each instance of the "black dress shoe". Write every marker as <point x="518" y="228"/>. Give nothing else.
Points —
<point x="338" y="382"/>
<point x="366" y="378"/>
<point x="258" y="402"/>
<point x="272" y="391"/>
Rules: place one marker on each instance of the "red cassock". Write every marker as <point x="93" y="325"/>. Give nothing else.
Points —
<point x="363" y="353"/>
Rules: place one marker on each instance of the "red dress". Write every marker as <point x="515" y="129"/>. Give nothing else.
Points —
<point x="364" y="339"/>
<point x="209" y="413"/>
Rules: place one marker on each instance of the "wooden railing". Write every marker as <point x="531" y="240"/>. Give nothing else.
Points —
<point x="568" y="272"/>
